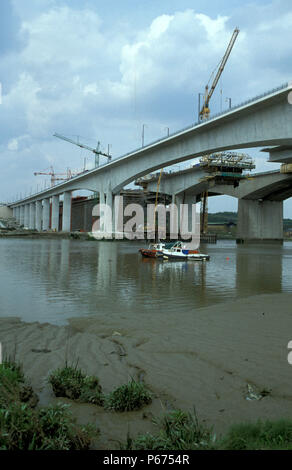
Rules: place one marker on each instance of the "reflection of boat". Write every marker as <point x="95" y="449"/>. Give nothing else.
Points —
<point x="177" y="251"/>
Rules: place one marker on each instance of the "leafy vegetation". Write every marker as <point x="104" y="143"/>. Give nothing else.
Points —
<point x="70" y="382"/>
<point x="50" y="428"/>
<point x="14" y="386"/>
<point x="23" y="427"/>
<point x="128" y="397"/>
<point x="263" y="435"/>
<point x="182" y="431"/>
<point x="178" y="431"/>
<point x="231" y="217"/>
<point x="223" y="217"/>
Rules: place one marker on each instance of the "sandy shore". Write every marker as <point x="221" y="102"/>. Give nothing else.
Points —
<point x="204" y="358"/>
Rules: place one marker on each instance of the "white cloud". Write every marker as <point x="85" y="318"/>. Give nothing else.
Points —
<point x="13" y="145"/>
<point x="63" y="36"/>
<point x="174" y="52"/>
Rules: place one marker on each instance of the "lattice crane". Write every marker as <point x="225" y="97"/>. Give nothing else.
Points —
<point x="54" y="176"/>
<point x="97" y="152"/>
<point x="205" y="113"/>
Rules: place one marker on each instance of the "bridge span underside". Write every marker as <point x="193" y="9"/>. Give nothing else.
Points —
<point x="264" y="121"/>
<point x="260" y="206"/>
<point x="260" y="199"/>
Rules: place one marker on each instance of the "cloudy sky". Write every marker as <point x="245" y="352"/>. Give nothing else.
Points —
<point x="100" y="69"/>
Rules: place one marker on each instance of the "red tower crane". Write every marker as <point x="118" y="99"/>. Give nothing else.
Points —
<point x="55" y="176"/>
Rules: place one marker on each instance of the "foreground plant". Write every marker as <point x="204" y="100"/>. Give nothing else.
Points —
<point x="13" y="385"/>
<point x="70" y="382"/>
<point x="51" y="428"/>
<point x="178" y="431"/>
<point x="128" y="397"/>
<point x="263" y="435"/>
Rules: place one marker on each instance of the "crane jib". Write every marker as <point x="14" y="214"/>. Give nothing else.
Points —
<point x="205" y="109"/>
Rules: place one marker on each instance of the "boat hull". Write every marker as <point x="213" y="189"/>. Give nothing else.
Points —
<point x="148" y="253"/>
<point x="181" y="256"/>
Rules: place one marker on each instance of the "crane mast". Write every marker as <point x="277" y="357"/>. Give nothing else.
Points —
<point x="205" y="111"/>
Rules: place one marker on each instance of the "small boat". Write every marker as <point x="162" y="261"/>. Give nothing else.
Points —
<point x="173" y="250"/>
<point x="178" y="252"/>
<point x="153" y="249"/>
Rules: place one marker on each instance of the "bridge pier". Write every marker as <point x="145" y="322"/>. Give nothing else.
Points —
<point x="32" y="216"/>
<point x="46" y="214"/>
<point x="55" y="213"/>
<point x="38" y="215"/>
<point x="66" y="216"/>
<point x="26" y="215"/>
<point x="260" y="221"/>
<point x="189" y="199"/>
<point x="16" y="213"/>
<point x="109" y="221"/>
<point x="179" y="201"/>
<point x="101" y="202"/>
<point x="21" y="215"/>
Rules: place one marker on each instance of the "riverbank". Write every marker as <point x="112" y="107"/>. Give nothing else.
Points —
<point x="218" y="359"/>
<point x="44" y="235"/>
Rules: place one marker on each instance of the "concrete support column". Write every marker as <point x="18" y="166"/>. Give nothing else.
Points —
<point x="190" y="200"/>
<point x="18" y="214"/>
<point x="21" y="215"/>
<point x="26" y="215"/>
<point x="55" y="213"/>
<point x="102" y="201"/>
<point x="118" y="217"/>
<point x="32" y="215"/>
<point x="66" y="217"/>
<point x="14" y="212"/>
<point x="179" y="201"/>
<point x="46" y="214"/>
<point x="260" y="221"/>
<point x="38" y="216"/>
<point x="173" y="221"/>
<point x="109" y="213"/>
<point x="101" y="197"/>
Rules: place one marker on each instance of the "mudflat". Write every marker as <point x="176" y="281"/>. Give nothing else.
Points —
<point x="229" y="361"/>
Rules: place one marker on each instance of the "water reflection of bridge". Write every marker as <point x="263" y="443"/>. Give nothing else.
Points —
<point x="74" y="278"/>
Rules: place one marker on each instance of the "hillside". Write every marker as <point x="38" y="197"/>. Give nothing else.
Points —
<point x="227" y="217"/>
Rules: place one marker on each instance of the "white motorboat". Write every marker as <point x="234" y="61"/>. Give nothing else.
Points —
<point x="178" y="252"/>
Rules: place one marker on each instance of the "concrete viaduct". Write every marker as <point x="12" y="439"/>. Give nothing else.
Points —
<point x="265" y="121"/>
<point x="260" y="198"/>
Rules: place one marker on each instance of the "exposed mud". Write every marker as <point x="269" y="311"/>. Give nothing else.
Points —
<point x="208" y="359"/>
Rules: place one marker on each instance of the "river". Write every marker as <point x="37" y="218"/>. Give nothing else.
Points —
<point x="53" y="280"/>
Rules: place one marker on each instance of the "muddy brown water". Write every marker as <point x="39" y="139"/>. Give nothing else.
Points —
<point x="53" y="280"/>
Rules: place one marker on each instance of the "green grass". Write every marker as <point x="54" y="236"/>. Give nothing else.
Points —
<point x="129" y="397"/>
<point x="50" y="428"/>
<point x="14" y="386"/>
<point x="23" y="427"/>
<point x="70" y="382"/>
<point x="182" y="431"/>
<point x="178" y="431"/>
<point x="263" y="435"/>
